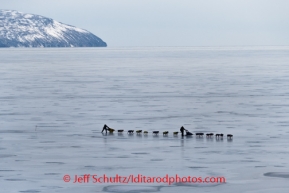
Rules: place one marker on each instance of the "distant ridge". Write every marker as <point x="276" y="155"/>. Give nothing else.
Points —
<point x="27" y="30"/>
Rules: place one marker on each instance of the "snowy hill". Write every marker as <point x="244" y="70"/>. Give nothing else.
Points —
<point x="27" y="30"/>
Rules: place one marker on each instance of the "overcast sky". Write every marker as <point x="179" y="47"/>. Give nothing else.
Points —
<point x="170" y="22"/>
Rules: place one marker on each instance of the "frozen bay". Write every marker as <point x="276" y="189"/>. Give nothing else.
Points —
<point x="69" y="94"/>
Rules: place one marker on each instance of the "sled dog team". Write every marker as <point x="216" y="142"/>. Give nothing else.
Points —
<point x="182" y="130"/>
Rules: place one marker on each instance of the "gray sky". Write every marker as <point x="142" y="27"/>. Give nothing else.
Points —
<point x="170" y="22"/>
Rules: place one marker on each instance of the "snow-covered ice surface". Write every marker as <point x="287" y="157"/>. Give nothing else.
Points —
<point x="70" y="93"/>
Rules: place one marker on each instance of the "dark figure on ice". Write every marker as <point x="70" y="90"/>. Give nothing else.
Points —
<point x="106" y="128"/>
<point x="182" y="129"/>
